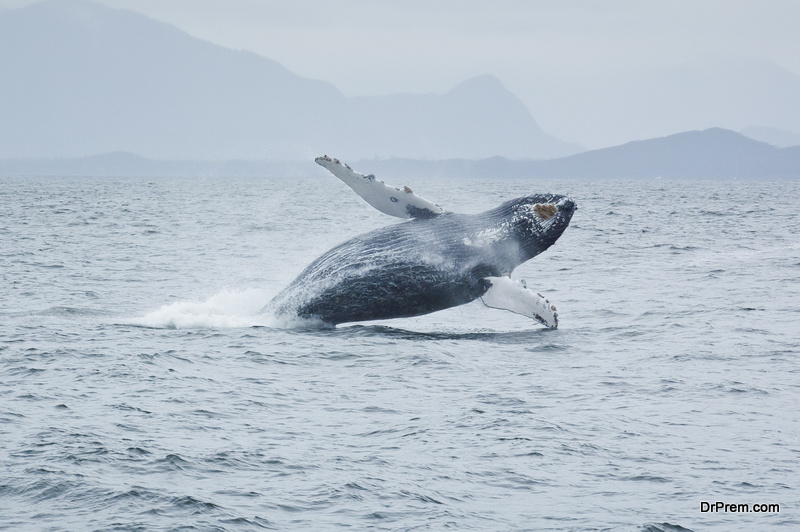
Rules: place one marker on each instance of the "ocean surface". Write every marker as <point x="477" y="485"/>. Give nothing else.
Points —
<point x="142" y="389"/>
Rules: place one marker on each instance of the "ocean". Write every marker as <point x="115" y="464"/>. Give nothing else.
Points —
<point x="141" y="388"/>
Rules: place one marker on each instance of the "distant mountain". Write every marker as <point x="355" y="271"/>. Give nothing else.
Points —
<point x="775" y="136"/>
<point x="78" y="78"/>
<point x="713" y="153"/>
<point x="614" y="106"/>
<point x="479" y="113"/>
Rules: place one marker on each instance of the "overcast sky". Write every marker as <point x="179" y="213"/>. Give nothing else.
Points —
<point x="597" y="73"/>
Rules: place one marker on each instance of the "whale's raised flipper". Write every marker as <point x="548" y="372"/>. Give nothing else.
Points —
<point x="395" y="201"/>
<point x="507" y="294"/>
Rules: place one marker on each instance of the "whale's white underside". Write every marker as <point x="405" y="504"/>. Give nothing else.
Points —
<point x="394" y="201"/>
<point x="515" y="296"/>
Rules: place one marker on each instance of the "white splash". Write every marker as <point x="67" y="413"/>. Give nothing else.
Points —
<point x="229" y="308"/>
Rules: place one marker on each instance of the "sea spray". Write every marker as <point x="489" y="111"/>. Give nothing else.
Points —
<point x="228" y="308"/>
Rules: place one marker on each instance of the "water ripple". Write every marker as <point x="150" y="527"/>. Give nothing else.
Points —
<point x="672" y="379"/>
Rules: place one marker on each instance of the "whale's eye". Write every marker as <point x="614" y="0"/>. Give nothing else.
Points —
<point x="545" y="211"/>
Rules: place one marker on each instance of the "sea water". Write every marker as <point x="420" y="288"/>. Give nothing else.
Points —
<point x="141" y="388"/>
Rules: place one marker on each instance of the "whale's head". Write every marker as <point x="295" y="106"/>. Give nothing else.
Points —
<point x="537" y="221"/>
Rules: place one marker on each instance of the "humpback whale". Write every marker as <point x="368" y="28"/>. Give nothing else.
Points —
<point x="435" y="260"/>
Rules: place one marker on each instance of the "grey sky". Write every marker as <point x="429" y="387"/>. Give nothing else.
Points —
<point x="598" y="73"/>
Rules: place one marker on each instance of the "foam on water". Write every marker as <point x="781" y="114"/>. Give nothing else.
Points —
<point x="228" y="308"/>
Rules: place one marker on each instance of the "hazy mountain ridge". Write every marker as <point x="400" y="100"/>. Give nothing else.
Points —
<point x="80" y="78"/>
<point x="711" y="154"/>
<point x="481" y="109"/>
<point x="780" y="138"/>
<point x="714" y="153"/>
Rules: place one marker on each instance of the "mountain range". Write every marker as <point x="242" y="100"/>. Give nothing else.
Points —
<point x="714" y="153"/>
<point x="79" y="79"/>
<point x="91" y="90"/>
<point x="710" y="154"/>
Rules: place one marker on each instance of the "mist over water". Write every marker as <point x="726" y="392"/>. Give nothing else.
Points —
<point x="142" y="388"/>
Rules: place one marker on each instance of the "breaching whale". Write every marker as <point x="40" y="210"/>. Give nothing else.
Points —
<point x="434" y="261"/>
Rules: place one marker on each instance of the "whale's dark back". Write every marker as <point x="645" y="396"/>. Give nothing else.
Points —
<point x="407" y="269"/>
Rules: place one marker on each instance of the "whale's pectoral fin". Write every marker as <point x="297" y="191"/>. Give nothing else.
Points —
<point x="507" y="294"/>
<point x="395" y="201"/>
